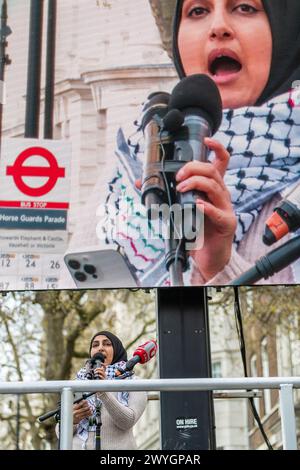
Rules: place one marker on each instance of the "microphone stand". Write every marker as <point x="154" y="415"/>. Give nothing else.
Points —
<point x="98" y="426"/>
<point x="51" y="413"/>
<point x="271" y="263"/>
<point x="175" y="259"/>
<point x="175" y="253"/>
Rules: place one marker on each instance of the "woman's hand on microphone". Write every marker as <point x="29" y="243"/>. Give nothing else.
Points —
<point x="100" y="372"/>
<point x="220" y="220"/>
<point x="81" y="410"/>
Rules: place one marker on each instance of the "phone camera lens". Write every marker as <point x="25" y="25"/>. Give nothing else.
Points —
<point x="89" y="269"/>
<point x="74" y="264"/>
<point x="81" y="277"/>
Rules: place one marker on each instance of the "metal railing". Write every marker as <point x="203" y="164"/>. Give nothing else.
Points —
<point x="67" y="388"/>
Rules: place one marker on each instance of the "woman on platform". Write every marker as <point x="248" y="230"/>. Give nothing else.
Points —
<point x="118" y="411"/>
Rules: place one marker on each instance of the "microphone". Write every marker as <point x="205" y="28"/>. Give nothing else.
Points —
<point x="198" y="99"/>
<point x="272" y="263"/>
<point x="94" y="363"/>
<point x="141" y="355"/>
<point x="153" y="186"/>
<point x="285" y="218"/>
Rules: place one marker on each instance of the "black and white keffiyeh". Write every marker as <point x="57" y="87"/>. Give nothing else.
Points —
<point x="94" y="401"/>
<point x="264" y="147"/>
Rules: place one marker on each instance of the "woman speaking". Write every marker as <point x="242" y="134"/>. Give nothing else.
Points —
<point x="117" y="412"/>
<point x="251" y="51"/>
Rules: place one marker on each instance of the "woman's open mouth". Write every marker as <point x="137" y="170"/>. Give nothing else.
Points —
<point x="223" y="65"/>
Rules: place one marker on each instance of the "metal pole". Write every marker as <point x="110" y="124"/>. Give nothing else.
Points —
<point x="18" y="424"/>
<point x="166" y="385"/>
<point x="50" y="69"/>
<point x="34" y="69"/>
<point x="187" y="419"/>
<point x="66" y="419"/>
<point x="4" y="59"/>
<point x="288" y="420"/>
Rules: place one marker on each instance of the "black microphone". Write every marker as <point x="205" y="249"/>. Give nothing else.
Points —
<point x="198" y="99"/>
<point x="153" y="186"/>
<point x="94" y="363"/>
<point x="271" y="263"/>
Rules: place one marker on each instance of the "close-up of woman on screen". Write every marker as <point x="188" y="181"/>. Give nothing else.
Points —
<point x="251" y="51"/>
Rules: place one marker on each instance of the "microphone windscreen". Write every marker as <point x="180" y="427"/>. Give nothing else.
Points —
<point x="173" y="120"/>
<point x="199" y="93"/>
<point x="157" y="103"/>
<point x="98" y="357"/>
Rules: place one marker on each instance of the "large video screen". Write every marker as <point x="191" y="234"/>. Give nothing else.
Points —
<point x="146" y="152"/>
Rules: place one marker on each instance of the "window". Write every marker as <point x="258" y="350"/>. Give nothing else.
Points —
<point x="217" y="370"/>
<point x="101" y="137"/>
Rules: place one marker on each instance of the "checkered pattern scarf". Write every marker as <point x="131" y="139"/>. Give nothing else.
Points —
<point x="264" y="143"/>
<point x="84" y="426"/>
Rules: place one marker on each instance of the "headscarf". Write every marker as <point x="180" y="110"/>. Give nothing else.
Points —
<point x="119" y="351"/>
<point x="284" y="18"/>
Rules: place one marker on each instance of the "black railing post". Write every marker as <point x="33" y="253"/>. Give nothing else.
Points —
<point x="4" y="59"/>
<point x="34" y="69"/>
<point x="50" y="69"/>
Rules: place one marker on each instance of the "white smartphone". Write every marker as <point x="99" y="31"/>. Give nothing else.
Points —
<point x="98" y="269"/>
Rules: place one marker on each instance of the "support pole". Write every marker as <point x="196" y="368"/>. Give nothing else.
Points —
<point x="66" y="419"/>
<point x="18" y="423"/>
<point x="4" y="58"/>
<point x="34" y="69"/>
<point x="187" y="418"/>
<point x="288" y="420"/>
<point x="50" y="69"/>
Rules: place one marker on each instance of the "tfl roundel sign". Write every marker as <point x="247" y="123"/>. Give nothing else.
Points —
<point x="18" y="171"/>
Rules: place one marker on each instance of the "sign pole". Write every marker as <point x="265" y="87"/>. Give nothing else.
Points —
<point x="34" y="69"/>
<point x="50" y="69"/>
<point x="4" y="58"/>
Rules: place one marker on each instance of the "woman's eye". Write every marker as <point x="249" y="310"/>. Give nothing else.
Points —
<point x="197" y="11"/>
<point x="245" y="8"/>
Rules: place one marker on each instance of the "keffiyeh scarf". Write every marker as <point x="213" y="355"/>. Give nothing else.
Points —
<point x="84" y="426"/>
<point x="264" y="143"/>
